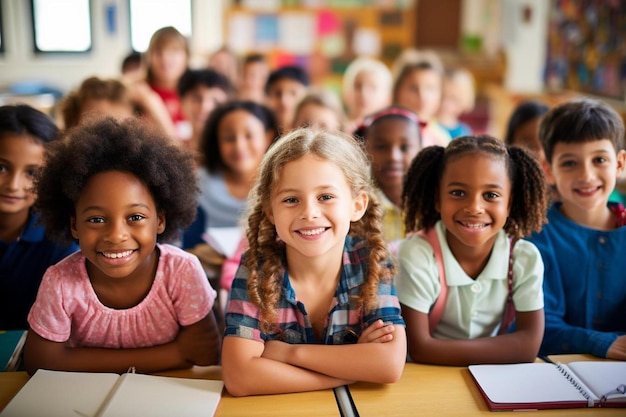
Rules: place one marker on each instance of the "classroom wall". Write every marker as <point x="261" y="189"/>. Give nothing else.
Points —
<point x="20" y="63"/>
<point x="524" y="42"/>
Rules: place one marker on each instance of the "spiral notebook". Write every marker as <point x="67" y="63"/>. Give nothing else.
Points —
<point x="538" y="386"/>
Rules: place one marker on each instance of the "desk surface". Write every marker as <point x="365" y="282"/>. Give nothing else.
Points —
<point x="423" y="389"/>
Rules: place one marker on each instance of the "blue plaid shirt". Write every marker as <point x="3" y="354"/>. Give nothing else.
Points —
<point x="345" y="320"/>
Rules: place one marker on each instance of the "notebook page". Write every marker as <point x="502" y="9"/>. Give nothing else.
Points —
<point x="601" y="376"/>
<point x="149" y="395"/>
<point x="61" y="394"/>
<point x="525" y="383"/>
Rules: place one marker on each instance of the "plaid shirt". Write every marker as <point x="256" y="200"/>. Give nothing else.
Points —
<point x="344" y="322"/>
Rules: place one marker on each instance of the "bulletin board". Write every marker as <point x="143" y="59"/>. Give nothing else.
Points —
<point x="321" y="36"/>
<point x="587" y="47"/>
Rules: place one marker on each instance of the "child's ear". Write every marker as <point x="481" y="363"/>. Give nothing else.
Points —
<point x="160" y="223"/>
<point x="547" y="169"/>
<point x="73" y="229"/>
<point x="359" y="206"/>
<point x="621" y="162"/>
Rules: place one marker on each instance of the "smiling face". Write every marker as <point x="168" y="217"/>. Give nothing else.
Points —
<point x="198" y="104"/>
<point x="312" y="206"/>
<point x="585" y="175"/>
<point x="392" y="143"/>
<point x="116" y="226"/>
<point x="242" y="142"/>
<point x="474" y="200"/>
<point x="21" y="156"/>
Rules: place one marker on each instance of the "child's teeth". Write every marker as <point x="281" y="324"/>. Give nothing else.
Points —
<point x="312" y="232"/>
<point x="117" y="255"/>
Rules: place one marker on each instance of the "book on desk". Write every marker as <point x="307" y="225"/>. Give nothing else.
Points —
<point x="11" y="346"/>
<point x="85" y="394"/>
<point x="552" y="385"/>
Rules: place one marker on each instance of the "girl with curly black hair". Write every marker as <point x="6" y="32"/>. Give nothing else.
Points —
<point x="126" y="298"/>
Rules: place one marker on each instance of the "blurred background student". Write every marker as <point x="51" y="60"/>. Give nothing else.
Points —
<point x="366" y="88"/>
<point x="201" y="91"/>
<point x="319" y="109"/>
<point x="254" y="73"/>
<point x="458" y="97"/>
<point x="285" y="87"/>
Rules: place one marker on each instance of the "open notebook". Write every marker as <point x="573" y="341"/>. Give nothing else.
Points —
<point x="546" y="385"/>
<point x="84" y="394"/>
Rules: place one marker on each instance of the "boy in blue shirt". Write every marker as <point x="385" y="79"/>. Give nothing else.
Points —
<point x="25" y="249"/>
<point x="583" y="245"/>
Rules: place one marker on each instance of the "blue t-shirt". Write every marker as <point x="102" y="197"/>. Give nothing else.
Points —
<point x="216" y="208"/>
<point x="584" y="285"/>
<point x="22" y="265"/>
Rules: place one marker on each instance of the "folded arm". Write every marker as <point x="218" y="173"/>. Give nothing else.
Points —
<point x="195" y="344"/>
<point x="246" y="372"/>
<point x="520" y="346"/>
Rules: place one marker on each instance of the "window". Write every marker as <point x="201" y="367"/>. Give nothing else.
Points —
<point x="61" y="25"/>
<point x="147" y="16"/>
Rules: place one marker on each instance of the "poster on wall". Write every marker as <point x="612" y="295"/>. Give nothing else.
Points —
<point x="587" y="47"/>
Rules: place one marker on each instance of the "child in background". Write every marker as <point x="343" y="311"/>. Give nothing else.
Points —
<point x="320" y="109"/>
<point x="225" y="62"/>
<point x="285" y="87"/>
<point x="523" y="127"/>
<point x="474" y="196"/>
<point x="392" y="139"/>
<point x="458" y="97"/>
<point x="236" y="136"/>
<point x="165" y="62"/>
<point x="254" y="73"/>
<point x="583" y="243"/>
<point x="313" y="303"/>
<point x="126" y="299"/>
<point x="366" y="88"/>
<point x="418" y="87"/>
<point x="132" y="64"/>
<point x="96" y="97"/>
<point x="26" y="251"/>
<point x="201" y="91"/>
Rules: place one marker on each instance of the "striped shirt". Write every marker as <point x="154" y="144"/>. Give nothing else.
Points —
<point x="345" y="321"/>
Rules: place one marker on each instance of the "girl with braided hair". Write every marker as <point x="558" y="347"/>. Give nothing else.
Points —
<point x="313" y="305"/>
<point x="472" y="200"/>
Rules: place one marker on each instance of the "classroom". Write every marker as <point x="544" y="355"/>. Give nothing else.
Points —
<point x="312" y="207"/>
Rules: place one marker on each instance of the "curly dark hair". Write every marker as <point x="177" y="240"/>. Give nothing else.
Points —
<point x="529" y="199"/>
<point x="109" y="145"/>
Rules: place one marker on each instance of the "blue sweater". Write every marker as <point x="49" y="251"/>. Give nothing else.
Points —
<point x="22" y="265"/>
<point x="584" y="285"/>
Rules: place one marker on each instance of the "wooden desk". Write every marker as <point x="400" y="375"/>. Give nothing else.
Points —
<point x="422" y="390"/>
<point x="442" y="391"/>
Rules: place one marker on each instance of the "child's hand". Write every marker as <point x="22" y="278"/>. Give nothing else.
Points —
<point x="618" y="349"/>
<point x="377" y="332"/>
<point x="199" y="342"/>
<point x="276" y="350"/>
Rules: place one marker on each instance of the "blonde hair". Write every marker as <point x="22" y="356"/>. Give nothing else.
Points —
<point x="264" y="258"/>
<point x="365" y="64"/>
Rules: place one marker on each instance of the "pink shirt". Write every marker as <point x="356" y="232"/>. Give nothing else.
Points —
<point x="67" y="308"/>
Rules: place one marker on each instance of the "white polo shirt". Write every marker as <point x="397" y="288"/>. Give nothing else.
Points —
<point x="474" y="307"/>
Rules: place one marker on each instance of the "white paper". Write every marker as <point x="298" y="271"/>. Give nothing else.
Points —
<point x="224" y="240"/>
